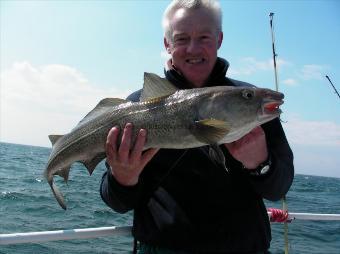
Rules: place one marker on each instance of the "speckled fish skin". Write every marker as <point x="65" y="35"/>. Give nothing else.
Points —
<point x="184" y="119"/>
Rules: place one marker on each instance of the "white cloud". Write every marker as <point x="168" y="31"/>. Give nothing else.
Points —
<point x="290" y="82"/>
<point x="315" y="145"/>
<point x="316" y="160"/>
<point x="247" y="66"/>
<point x="313" y="71"/>
<point x="37" y="101"/>
<point x="312" y="133"/>
<point x="250" y="65"/>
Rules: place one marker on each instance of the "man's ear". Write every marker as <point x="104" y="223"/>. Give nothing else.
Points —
<point x="167" y="46"/>
<point x="219" y="39"/>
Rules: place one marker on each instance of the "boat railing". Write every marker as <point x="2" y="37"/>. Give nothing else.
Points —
<point x="74" y="234"/>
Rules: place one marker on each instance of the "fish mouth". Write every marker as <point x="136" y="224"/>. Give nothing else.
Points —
<point x="272" y="107"/>
<point x="271" y="103"/>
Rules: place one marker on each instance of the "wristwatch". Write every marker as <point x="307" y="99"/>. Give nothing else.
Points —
<point x="262" y="169"/>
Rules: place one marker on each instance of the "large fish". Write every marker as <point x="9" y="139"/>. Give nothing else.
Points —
<point x="173" y="118"/>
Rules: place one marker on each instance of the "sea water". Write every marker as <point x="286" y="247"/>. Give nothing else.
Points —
<point x="27" y="204"/>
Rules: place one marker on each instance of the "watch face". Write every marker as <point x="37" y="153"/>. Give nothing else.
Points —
<point x="264" y="170"/>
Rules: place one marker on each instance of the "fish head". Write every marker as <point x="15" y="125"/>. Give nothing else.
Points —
<point x="242" y="107"/>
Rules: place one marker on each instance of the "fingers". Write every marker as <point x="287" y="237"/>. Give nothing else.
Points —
<point x="257" y="131"/>
<point x="139" y="145"/>
<point x="137" y="152"/>
<point x="111" y="143"/>
<point x="127" y="161"/>
<point x="245" y="143"/>
<point x="230" y="145"/>
<point x="123" y="152"/>
<point x="251" y="149"/>
<point x="124" y="148"/>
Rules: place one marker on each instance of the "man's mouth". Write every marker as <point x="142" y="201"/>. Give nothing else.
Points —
<point x="195" y="61"/>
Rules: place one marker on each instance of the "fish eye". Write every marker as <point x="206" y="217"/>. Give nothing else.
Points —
<point x="248" y="94"/>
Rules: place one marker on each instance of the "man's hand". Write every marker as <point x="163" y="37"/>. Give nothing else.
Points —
<point x="127" y="162"/>
<point x="251" y="149"/>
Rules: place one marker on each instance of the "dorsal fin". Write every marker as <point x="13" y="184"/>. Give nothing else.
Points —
<point x="54" y="138"/>
<point x="101" y="107"/>
<point x="155" y="86"/>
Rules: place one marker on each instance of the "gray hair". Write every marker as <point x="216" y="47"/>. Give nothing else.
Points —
<point x="212" y="5"/>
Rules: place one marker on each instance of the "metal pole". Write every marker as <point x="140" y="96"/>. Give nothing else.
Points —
<point x="85" y="233"/>
<point x="68" y="234"/>
<point x="314" y="216"/>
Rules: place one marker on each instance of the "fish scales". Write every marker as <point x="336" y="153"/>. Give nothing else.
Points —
<point x="167" y="122"/>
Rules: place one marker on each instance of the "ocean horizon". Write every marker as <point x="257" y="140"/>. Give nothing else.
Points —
<point x="27" y="204"/>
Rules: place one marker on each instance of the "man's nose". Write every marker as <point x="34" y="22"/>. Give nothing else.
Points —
<point x="193" y="46"/>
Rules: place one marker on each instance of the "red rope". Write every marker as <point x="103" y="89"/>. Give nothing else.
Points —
<point x="278" y="215"/>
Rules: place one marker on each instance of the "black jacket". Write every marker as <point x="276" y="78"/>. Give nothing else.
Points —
<point x="184" y="200"/>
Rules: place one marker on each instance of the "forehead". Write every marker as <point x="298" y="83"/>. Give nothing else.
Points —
<point x="193" y="21"/>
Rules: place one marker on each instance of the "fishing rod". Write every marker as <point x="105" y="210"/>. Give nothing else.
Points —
<point x="336" y="91"/>
<point x="284" y="202"/>
<point x="271" y="15"/>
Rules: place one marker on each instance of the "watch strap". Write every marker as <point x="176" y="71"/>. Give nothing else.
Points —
<point x="261" y="169"/>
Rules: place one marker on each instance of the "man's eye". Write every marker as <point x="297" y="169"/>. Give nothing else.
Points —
<point x="205" y="37"/>
<point x="181" y="39"/>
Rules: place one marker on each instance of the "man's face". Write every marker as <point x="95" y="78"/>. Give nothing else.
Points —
<point x="194" y="43"/>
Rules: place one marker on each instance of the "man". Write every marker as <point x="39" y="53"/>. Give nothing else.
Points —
<point x="183" y="201"/>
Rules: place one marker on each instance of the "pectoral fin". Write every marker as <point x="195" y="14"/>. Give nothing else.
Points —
<point x="216" y="154"/>
<point x="210" y="131"/>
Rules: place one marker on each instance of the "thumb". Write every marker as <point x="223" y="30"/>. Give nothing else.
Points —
<point x="148" y="155"/>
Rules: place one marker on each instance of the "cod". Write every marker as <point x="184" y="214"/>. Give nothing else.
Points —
<point x="173" y="118"/>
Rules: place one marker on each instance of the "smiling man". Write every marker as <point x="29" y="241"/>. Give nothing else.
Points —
<point x="192" y="39"/>
<point x="183" y="201"/>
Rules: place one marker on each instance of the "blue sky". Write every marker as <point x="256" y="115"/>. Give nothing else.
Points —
<point x="59" y="58"/>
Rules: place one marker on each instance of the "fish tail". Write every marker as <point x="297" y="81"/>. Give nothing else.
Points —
<point x="57" y="194"/>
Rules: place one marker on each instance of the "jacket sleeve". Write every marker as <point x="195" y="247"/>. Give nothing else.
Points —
<point x="120" y="198"/>
<point x="276" y="183"/>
